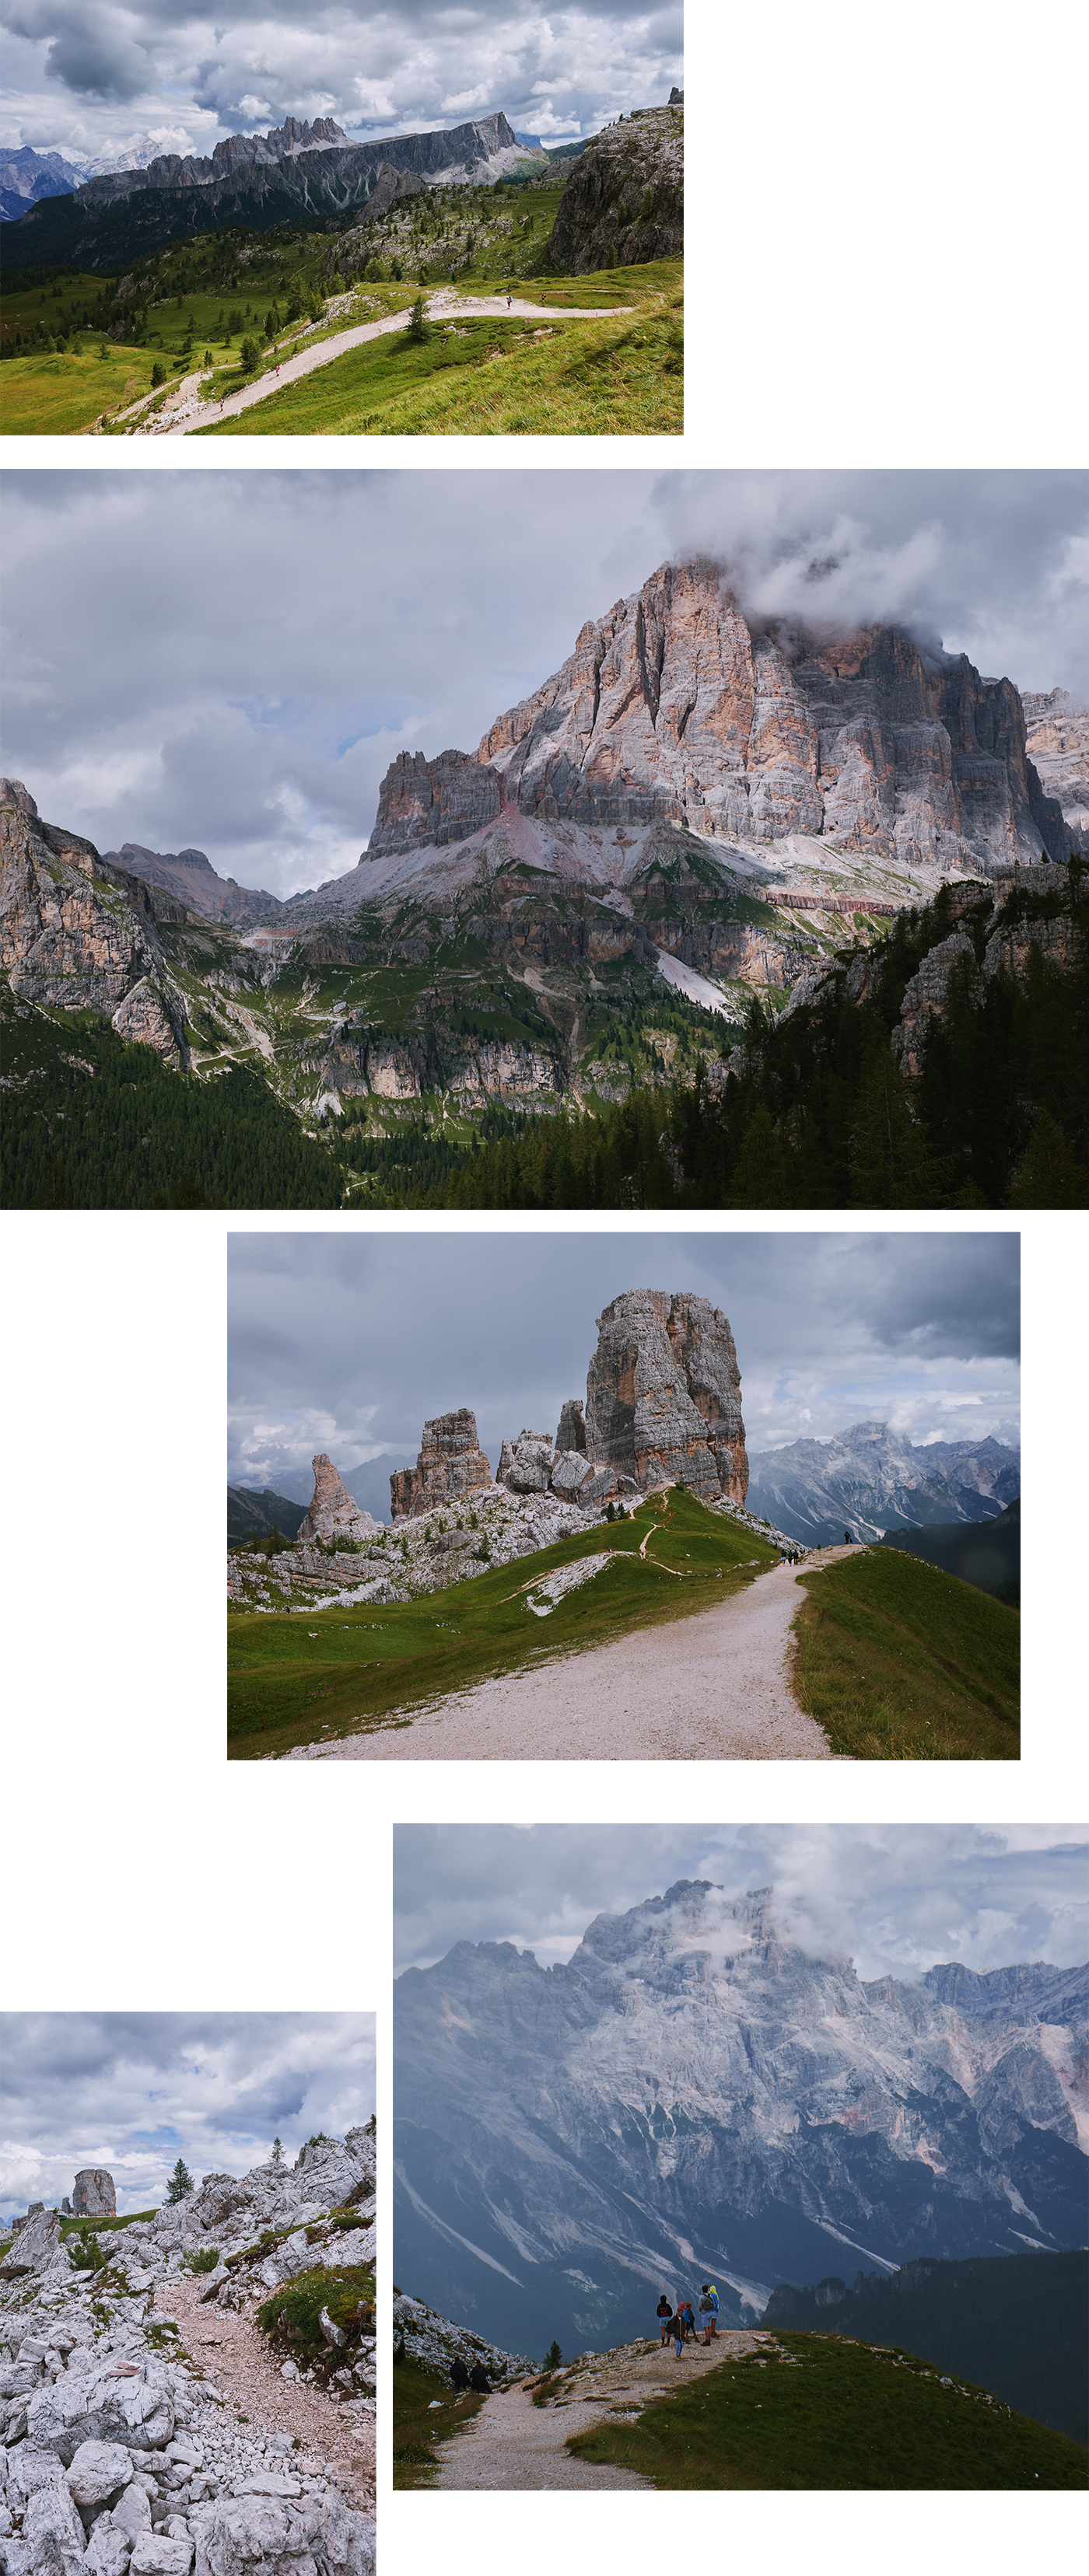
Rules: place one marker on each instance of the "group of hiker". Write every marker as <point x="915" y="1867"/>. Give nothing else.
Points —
<point x="679" y="2322"/>
<point x="476" y="2378"/>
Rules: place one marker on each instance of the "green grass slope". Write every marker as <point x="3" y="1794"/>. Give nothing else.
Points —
<point x="415" y="2431"/>
<point x="819" y="2412"/>
<point x="288" y="1686"/>
<point x="900" y="1662"/>
<point x="1015" y="2320"/>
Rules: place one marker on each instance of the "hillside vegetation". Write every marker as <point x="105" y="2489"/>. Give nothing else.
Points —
<point x="288" y="1686"/>
<point x="822" y="2412"/>
<point x="1016" y="2321"/>
<point x="988" y="1555"/>
<point x="901" y="1662"/>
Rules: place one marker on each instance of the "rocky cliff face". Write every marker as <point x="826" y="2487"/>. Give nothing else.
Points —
<point x="1058" y="746"/>
<point x="451" y="1468"/>
<point x="673" y="705"/>
<point x="871" y="1479"/>
<point x="116" y="2456"/>
<point x="332" y="1513"/>
<point x="77" y="934"/>
<point x="426" y="803"/>
<point x="624" y="201"/>
<point x="250" y="179"/>
<point x="94" y="2194"/>
<point x="191" y="878"/>
<point x="695" y="2097"/>
<point x="663" y="1395"/>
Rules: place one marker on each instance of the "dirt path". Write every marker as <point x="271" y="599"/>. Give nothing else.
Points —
<point x="228" y="2346"/>
<point x="513" y="2443"/>
<point x="714" y="1687"/>
<point x="192" y="415"/>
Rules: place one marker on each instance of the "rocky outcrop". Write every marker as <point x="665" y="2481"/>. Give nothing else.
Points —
<point x="1058" y="746"/>
<point x="332" y="1513"/>
<point x="189" y="876"/>
<point x="475" y="1069"/>
<point x="925" y="998"/>
<point x="572" y="1429"/>
<point x="624" y="201"/>
<point x="525" y="1464"/>
<point x="433" y="801"/>
<point x="78" y="934"/>
<point x="663" y="1395"/>
<point x="116" y="2456"/>
<point x="93" y="2193"/>
<point x="451" y="1468"/>
<point x="674" y="706"/>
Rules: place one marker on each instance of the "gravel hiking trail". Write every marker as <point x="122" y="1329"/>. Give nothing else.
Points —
<point x="187" y="413"/>
<point x="714" y="1687"/>
<point x="513" y="2443"/>
<point x="227" y="2345"/>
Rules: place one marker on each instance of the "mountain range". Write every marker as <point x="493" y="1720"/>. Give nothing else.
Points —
<point x="308" y="172"/>
<point x="871" y="1480"/>
<point x="989" y="1557"/>
<point x="695" y="2096"/>
<point x="251" y="1512"/>
<point x="698" y="808"/>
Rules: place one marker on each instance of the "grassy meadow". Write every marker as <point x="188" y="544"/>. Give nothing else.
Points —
<point x="901" y="1662"/>
<point x="834" y="2414"/>
<point x="305" y="1676"/>
<point x="415" y="2428"/>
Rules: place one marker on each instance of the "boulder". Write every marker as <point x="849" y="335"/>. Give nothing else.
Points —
<point x="34" y="2247"/>
<point x="53" y="2530"/>
<point x="100" y="2406"/>
<point x="599" y="1485"/>
<point x="663" y="1395"/>
<point x="109" y="2548"/>
<point x="332" y="1513"/>
<point x="528" y="1463"/>
<point x="98" y="2471"/>
<point x="157" y="2554"/>
<point x="30" y="2468"/>
<point x="572" y="1430"/>
<point x="283" y="2539"/>
<point x="93" y="2194"/>
<point x="133" y="2514"/>
<point x="450" y="1469"/>
<point x="569" y="1474"/>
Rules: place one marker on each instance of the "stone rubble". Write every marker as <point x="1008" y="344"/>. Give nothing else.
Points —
<point x="118" y="2459"/>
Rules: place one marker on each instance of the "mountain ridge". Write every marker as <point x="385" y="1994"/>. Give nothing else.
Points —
<point x="874" y="1480"/>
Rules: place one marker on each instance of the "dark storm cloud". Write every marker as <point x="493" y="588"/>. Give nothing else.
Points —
<point x="266" y="643"/>
<point x="348" y="1343"/>
<point x="133" y="2091"/>
<point x="383" y="70"/>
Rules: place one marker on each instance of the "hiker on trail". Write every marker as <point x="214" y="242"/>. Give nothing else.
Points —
<point x="847" y="1539"/>
<point x="508" y="299"/>
<point x="664" y="2313"/>
<point x="459" y="2374"/>
<point x="478" y="2379"/>
<point x="676" y="2328"/>
<point x="689" y="2321"/>
<point x="709" y="2311"/>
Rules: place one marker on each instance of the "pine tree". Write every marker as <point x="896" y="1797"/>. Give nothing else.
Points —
<point x="181" y="2182"/>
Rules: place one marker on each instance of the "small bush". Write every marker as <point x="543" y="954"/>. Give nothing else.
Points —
<point x="158" y="373"/>
<point x="250" y="355"/>
<point x="86" y="2255"/>
<point x="205" y="2261"/>
<point x="419" y="328"/>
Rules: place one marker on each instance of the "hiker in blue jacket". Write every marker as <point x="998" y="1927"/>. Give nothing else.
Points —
<point x="709" y="2311"/>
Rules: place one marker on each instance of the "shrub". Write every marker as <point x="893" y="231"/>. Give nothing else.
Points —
<point x="291" y="2315"/>
<point x="249" y="356"/>
<point x="419" y="328"/>
<point x="158" y="373"/>
<point x="86" y="2255"/>
<point x="205" y="2261"/>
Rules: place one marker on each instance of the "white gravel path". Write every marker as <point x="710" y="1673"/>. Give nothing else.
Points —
<point x="472" y="308"/>
<point x="227" y="2344"/>
<point x="513" y="2443"/>
<point x="712" y="1687"/>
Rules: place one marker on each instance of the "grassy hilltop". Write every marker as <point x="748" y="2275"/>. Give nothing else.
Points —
<point x="835" y="2414"/>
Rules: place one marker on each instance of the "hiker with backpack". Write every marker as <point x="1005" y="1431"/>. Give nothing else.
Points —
<point x="689" y="2322"/>
<point x="709" y="2311"/>
<point x="664" y="2312"/>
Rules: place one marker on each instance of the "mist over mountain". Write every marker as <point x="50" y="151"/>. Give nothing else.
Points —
<point x="694" y="2097"/>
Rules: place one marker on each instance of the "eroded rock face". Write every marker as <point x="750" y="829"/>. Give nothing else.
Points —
<point x="451" y="1468"/>
<point x="673" y="707"/>
<point x="332" y="1513"/>
<point x="77" y="934"/>
<point x="93" y="2193"/>
<point x="663" y="1395"/>
<point x="625" y="196"/>
<point x="572" y="1430"/>
<point x="925" y="999"/>
<point x="525" y="1464"/>
<point x="424" y="802"/>
<point x="1058" y="746"/>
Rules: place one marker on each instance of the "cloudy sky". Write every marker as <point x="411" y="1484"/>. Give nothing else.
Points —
<point x="134" y="2091"/>
<point x="349" y="1343"/>
<point x="230" y="661"/>
<point x="1056" y="1619"/>
<point x="90" y="77"/>
<point x="896" y="1898"/>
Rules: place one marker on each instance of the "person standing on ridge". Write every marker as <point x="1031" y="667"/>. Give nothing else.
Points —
<point x="458" y="2373"/>
<point x="663" y="2313"/>
<point x="709" y="2311"/>
<point x="478" y="2379"/>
